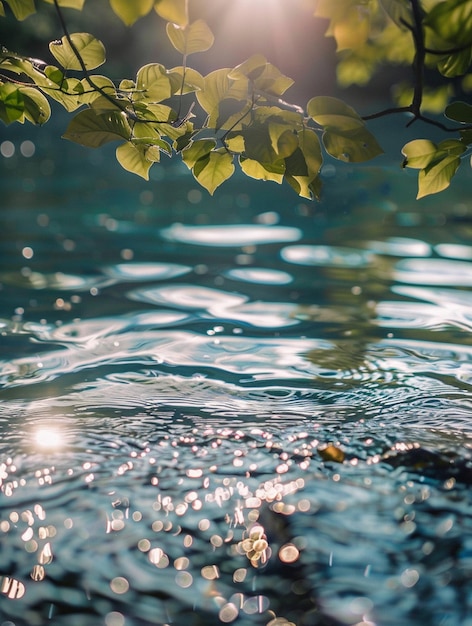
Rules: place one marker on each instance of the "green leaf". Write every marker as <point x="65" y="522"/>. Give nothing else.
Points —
<point x="333" y="114"/>
<point x="154" y="83"/>
<point x="257" y="170"/>
<point x="196" y="37"/>
<point x="132" y="158"/>
<point x="37" y="108"/>
<point x="456" y="64"/>
<point x="419" y="153"/>
<point x="229" y="115"/>
<point x="12" y="104"/>
<point x="173" y="11"/>
<point x="303" y="166"/>
<point x="399" y="11"/>
<point x="354" y="147"/>
<point x="197" y="150"/>
<point x="21" y="9"/>
<point x="452" y="21"/>
<point x="130" y="12"/>
<point x="437" y="176"/>
<point x="218" y="87"/>
<point x="2" y="9"/>
<point x="453" y="147"/>
<point x="258" y="145"/>
<point x="466" y="137"/>
<point x="214" y="169"/>
<point x="296" y="165"/>
<point x="311" y="148"/>
<point x="183" y="141"/>
<point x="459" y="112"/>
<point x="92" y="130"/>
<point x="90" y="49"/>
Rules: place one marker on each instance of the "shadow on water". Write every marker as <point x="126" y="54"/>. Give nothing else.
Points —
<point x="242" y="409"/>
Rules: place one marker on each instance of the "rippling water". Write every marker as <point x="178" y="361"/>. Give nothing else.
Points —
<point x="241" y="409"/>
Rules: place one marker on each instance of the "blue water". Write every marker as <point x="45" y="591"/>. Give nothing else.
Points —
<point x="244" y="409"/>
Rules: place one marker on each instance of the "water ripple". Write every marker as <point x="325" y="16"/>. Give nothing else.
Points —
<point x="139" y="272"/>
<point x="328" y="256"/>
<point x="434" y="272"/>
<point x="230" y="236"/>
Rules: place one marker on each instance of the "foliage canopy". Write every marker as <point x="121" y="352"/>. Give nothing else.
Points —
<point x="244" y="119"/>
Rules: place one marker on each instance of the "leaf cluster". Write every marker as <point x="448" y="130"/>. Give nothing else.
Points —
<point x="244" y="120"/>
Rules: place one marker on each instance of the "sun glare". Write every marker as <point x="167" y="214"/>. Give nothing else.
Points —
<point x="48" y="438"/>
<point x="259" y="26"/>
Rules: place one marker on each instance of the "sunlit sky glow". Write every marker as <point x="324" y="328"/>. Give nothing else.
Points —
<point x="249" y="26"/>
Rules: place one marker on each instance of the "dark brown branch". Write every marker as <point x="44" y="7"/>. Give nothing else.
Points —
<point x="79" y="58"/>
<point x="419" y="61"/>
<point x="390" y="111"/>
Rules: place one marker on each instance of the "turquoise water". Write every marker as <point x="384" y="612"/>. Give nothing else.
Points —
<point x="243" y="409"/>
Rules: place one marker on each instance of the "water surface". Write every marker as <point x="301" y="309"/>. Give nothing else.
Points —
<point x="242" y="409"/>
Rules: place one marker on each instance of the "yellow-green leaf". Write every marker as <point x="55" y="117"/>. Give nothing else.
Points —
<point x="185" y="80"/>
<point x="235" y="143"/>
<point x="437" y="176"/>
<point x="68" y="92"/>
<point x="197" y="150"/>
<point x="173" y="11"/>
<point x="333" y="114"/>
<point x="419" y="153"/>
<point x="153" y="83"/>
<point x="130" y="12"/>
<point x="92" y="130"/>
<point x="89" y="93"/>
<point x="213" y="170"/>
<point x="132" y="158"/>
<point x="90" y="49"/>
<point x="21" y="9"/>
<point x="271" y="81"/>
<point x="251" y="68"/>
<point x="256" y="170"/>
<point x="103" y="105"/>
<point x="195" y="37"/>
<point x="305" y="187"/>
<point x="284" y="141"/>
<point x="354" y="147"/>
<point x="218" y="87"/>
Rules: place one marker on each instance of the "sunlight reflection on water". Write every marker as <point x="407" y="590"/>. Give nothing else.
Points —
<point x="194" y="434"/>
